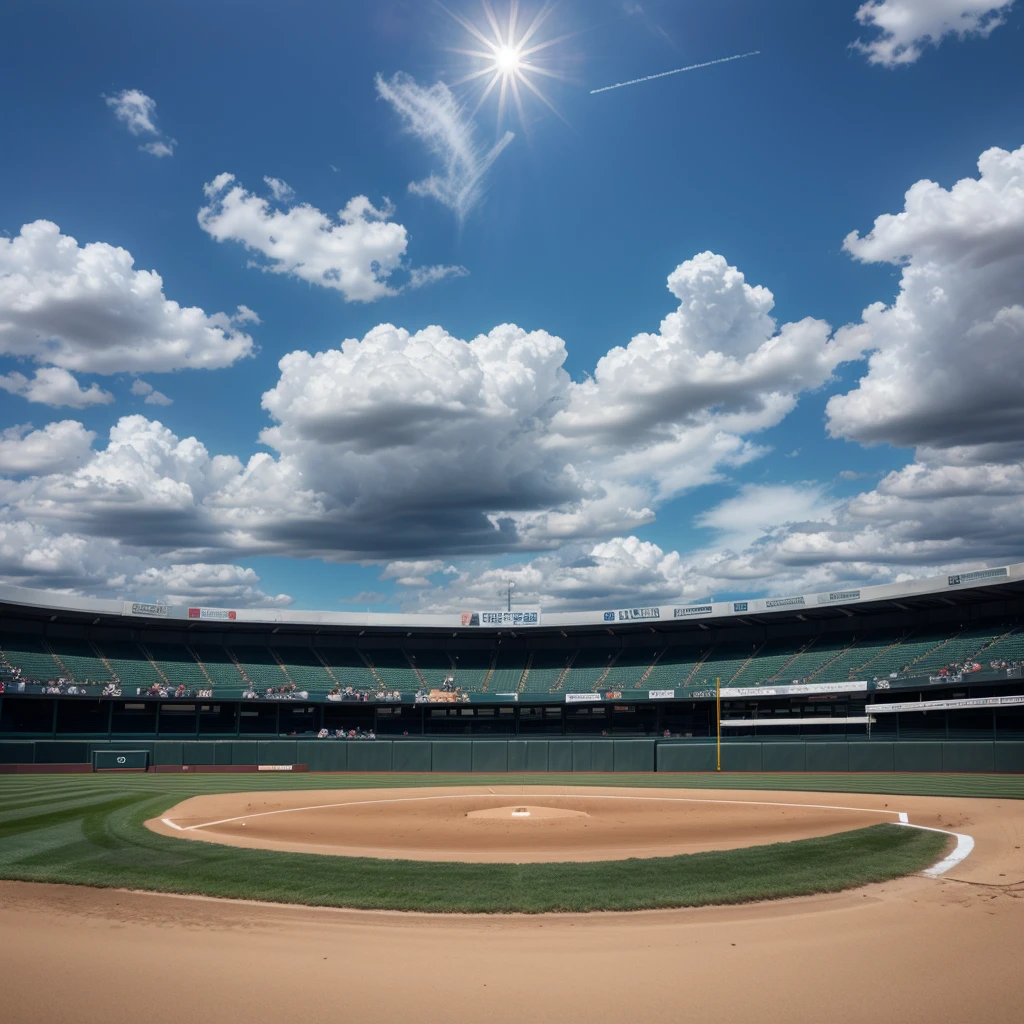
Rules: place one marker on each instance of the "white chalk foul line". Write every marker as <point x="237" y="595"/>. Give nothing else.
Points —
<point x="964" y="845"/>
<point x="564" y="796"/>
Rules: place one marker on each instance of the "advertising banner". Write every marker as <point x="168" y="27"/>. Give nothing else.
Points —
<point x="692" y="609"/>
<point x="795" y="690"/>
<point x="974" y="577"/>
<point x="582" y="698"/>
<point x="839" y="595"/>
<point x="152" y="610"/>
<point x="661" y="694"/>
<point x="220" y="614"/>
<point x="633" y="614"/>
<point x="518" y="617"/>
<point x="946" y="705"/>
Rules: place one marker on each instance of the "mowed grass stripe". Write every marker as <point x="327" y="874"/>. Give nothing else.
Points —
<point x="94" y="834"/>
<point x="1006" y="786"/>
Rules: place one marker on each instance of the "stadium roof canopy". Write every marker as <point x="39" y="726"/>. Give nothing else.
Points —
<point x="1003" y="584"/>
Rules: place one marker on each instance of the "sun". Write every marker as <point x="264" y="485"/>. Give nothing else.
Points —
<point x="505" y="55"/>
<point x="507" y="59"/>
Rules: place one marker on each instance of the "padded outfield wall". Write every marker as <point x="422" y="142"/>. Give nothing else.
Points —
<point x="540" y="755"/>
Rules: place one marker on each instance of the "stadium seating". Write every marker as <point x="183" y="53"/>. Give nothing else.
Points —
<point x="218" y="665"/>
<point x="395" y="672"/>
<point x="1008" y="646"/>
<point x="767" y="663"/>
<point x="260" y="666"/>
<point x="472" y="670"/>
<point x="673" y="669"/>
<point x="434" y="668"/>
<point x="545" y="671"/>
<point x="955" y="650"/>
<point x="630" y="669"/>
<point x="306" y="670"/>
<point x="80" y="661"/>
<point x="556" y="671"/>
<point x="130" y="665"/>
<point x="349" y="669"/>
<point x="179" y="665"/>
<point x="29" y="654"/>
<point x="723" y="663"/>
<point x="811" y="659"/>
<point x="507" y="674"/>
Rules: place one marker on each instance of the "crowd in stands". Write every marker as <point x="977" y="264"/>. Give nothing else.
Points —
<point x="346" y="734"/>
<point x="165" y="690"/>
<point x="425" y="696"/>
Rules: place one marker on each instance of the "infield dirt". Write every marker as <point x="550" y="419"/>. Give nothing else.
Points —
<point x="475" y="824"/>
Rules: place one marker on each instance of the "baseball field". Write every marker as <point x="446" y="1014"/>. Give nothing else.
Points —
<point x="273" y="896"/>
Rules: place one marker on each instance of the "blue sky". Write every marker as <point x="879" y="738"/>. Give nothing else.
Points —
<point x="768" y="162"/>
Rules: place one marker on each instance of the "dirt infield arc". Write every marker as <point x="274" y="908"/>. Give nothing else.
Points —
<point x="511" y="824"/>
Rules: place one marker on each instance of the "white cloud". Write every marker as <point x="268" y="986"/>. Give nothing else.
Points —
<point x="159" y="148"/>
<point x="758" y="509"/>
<point x="280" y="190"/>
<point x="32" y="555"/>
<point x="137" y="112"/>
<point x="357" y="254"/>
<point x="88" y="309"/>
<point x="962" y="256"/>
<point x="152" y="397"/>
<point x="404" y="447"/>
<point x="55" y="387"/>
<point x="58" y="447"/>
<point x="944" y="378"/>
<point x="412" y="573"/>
<point x="207" y="584"/>
<point x="438" y="120"/>
<point x="906" y="27"/>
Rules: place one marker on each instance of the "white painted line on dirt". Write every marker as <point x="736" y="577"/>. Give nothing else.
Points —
<point x="964" y="845"/>
<point x="569" y="796"/>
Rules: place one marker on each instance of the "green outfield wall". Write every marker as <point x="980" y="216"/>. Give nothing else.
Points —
<point x="493" y="756"/>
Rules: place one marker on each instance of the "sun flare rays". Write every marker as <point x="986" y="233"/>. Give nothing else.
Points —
<point x="504" y="52"/>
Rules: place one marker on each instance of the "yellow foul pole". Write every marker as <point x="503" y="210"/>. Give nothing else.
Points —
<point x="718" y="718"/>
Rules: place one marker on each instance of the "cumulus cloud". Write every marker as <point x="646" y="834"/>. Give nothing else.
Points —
<point x="406" y="447"/>
<point x="906" y="27"/>
<point x="58" y="447"/>
<point x="356" y="254"/>
<point x="961" y="252"/>
<point x="87" y="308"/>
<point x="137" y="112"/>
<point x="944" y="378"/>
<point x="412" y="573"/>
<point x="55" y="387"/>
<point x="207" y="584"/>
<point x="33" y="555"/>
<point x="152" y="397"/>
<point x="434" y="116"/>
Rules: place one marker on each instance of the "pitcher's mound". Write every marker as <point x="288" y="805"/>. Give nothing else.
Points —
<point x="525" y="812"/>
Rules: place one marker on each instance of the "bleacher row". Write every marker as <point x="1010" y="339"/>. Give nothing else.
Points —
<point x="321" y="670"/>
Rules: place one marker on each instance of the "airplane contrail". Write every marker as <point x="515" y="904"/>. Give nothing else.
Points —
<point x="663" y="74"/>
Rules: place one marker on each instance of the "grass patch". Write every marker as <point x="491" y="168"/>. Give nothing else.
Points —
<point x="89" y="830"/>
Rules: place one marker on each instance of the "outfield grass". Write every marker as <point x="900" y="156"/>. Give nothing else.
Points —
<point x="90" y="830"/>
